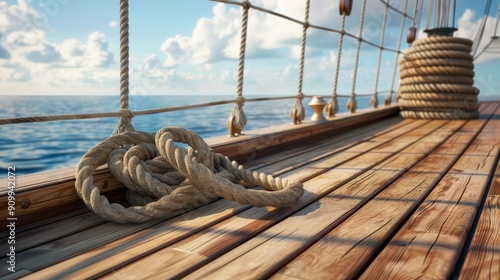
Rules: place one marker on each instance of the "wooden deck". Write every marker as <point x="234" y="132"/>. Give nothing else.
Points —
<point x="397" y="199"/>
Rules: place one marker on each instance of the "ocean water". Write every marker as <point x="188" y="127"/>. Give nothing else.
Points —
<point x="36" y="147"/>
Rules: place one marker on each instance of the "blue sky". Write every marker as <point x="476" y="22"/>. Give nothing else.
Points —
<point x="190" y="47"/>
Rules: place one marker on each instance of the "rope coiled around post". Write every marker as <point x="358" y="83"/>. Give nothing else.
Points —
<point x="437" y="80"/>
<point x="163" y="179"/>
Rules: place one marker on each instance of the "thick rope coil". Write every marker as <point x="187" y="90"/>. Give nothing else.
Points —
<point x="436" y="80"/>
<point x="163" y="179"/>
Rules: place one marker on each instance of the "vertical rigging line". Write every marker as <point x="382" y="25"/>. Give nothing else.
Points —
<point x="124" y="54"/>
<point x="125" y="119"/>
<point x="303" y="47"/>
<point x="454" y="13"/>
<point x="429" y="14"/>
<point x="351" y="105"/>
<point x="243" y="40"/>
<point x="374" y="101"/>
<point x="237" y="119"/>
<point x="297" y="113"/>
<point x="480" y="31"/>
<point x="333" y="104"/>
<point x="401" y="29"/>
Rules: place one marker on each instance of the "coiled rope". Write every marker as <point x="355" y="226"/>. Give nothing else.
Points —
<point x="437" y="80"/>
<point x="164" y="179"/>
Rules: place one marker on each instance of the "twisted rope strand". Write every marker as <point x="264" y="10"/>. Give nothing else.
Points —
<point x="374" y="100"/>
<point x="200" y="176"/>
<point x="125" y="123"/>
<point x="352" y="103"/>
<point x="333" y="106"/>
<point x="297" y="112"/>
<point x="237" y="119"/>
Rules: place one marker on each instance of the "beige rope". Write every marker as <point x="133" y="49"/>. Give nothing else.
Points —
<point x="237" y="118"/>
<point x="437" y="70"/>
<point x="332" y="107"/>
<point x="434" y="88"/>
<point x="443" y="39"/>
<point x="352" y="104"/>
<point x="436" y="80"/>
<point x="438" y="96"/>
<point x="443" y="46"/>
<point x="164" y="179"/>
<point x="125" y="123"/>
<point x="437" y="62"/>
<point x="462" y="104"/>
<point x="297" y="112"/>
<point x="437" y="54"/>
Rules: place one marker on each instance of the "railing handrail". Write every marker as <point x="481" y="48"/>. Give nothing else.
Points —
<point x="98" y="115"/>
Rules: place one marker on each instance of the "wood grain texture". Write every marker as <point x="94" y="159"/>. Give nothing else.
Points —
<point x="358" y="239"/>
<point x="430" y="242"/>
<point x="53" y="231"/>
<point x="483" y="257"/>
<point x="216" y="240"/>
<point x="164" y="235"/>
<point x="271" y="249"/>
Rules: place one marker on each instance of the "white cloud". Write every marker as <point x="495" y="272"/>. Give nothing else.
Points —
<point x="175" y="49"/>
<point x="113" y="23"/>
<point x="27" y="55"/>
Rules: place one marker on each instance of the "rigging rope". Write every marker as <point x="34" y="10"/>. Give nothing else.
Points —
<point x="163" y="179"/>
<point x="436" y="80"/>
<point x="352" y="104"/>
<point x="297" y="112"/>
<point x="237" y="118"/>
<point x="125" y="123"/>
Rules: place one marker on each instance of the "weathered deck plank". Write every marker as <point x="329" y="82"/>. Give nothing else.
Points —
<point x="395" y="199"/>
<point x="430" y="242"/>
<point x="357" y="239"/>
<point x="267" y="252"/>
<point x="316" y="169"/>
<point x="483" y="256"/>
<point x="211" y="243"/>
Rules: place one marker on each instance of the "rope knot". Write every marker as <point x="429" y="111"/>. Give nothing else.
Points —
<point x="164" y="179"/>
<point x="126" y="114"/>
<point x="240" y="101"/>
<point x="246" y="4"/>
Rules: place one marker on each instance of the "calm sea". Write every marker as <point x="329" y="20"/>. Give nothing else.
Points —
<point x="35" y="147"/>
